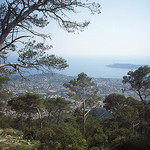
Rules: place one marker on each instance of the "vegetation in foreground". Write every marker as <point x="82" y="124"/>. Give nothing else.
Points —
<point x="11" y="139"/>
<point x="33" y="122"/>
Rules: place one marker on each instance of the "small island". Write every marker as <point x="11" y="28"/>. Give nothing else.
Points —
<point x="124" y="66"/>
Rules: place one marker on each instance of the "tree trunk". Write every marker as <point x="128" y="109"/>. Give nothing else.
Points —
<point x="83" y="131"/>
<point x="114" y="121"/>
<point x="29" y="120"/>
<point x="145" y="106"/>
<point x="58" y="118"/>
<point x="145" y="112"/>
<point x="40" y="117"/>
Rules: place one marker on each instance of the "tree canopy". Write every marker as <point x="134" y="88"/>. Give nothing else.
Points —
<point x="57" y="108"/>
<point x="139" y="81"/>
<point x="84" y="95"/>
<point x="27" y="104"/>
<point x="20" y="20"/>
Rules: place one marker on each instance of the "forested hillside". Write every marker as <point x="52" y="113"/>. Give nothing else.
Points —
<point x="80" y="120"/>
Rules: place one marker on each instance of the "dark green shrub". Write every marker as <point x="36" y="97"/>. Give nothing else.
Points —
<point x="61" y="137"/>
<point x="94" y="148"/>
<point x="30" y="133"/>
<point x="19" y="123"/>
<point x="23" y="147"/>
<point x="130" y="143"/>
<point x="1" y="147"/>
<point x="6" y="122"/>
<point x="8" y="131"/>
<point x="119" y="142"/>
<point x="96" y="137"/>
<point x="69" y="137"/>
<point x="122" y="132"/>
<point x="47" y="137"/>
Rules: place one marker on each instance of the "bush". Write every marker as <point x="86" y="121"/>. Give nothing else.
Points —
<point x="69" y="137"/>
<point x="97" y="139"/>
<point x="94" y="148"/>
<point x="30" y="133"/>
<point x="1" y="147"/>
<point x="47" y="137"/>
<point x="119" y="142"/>
<point x="23" y="147"/>
<point x="128" y="143"/>
<point x="8" y="131"/>
<point x="6" y="122"/>
<point x="138" y="143"/>
<point x="19" y="123"/>
<point x="60" y="137"/>
<point x="122" y="132"/>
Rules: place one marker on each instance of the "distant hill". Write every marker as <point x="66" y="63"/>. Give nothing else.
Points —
<point x="124" y="66"/>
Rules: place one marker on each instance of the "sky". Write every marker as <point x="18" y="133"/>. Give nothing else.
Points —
<point x="122" y="28"/>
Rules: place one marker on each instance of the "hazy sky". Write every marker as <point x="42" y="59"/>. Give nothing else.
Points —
<point x="122" y="28"/>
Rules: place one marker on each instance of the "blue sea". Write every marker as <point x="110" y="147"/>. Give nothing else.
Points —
<point x="96" y="66"/>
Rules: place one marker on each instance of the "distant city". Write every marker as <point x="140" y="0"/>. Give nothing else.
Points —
<point x="51" y="85"/>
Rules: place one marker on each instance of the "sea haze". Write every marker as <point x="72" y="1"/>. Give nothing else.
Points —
<point x="97" y="66"/>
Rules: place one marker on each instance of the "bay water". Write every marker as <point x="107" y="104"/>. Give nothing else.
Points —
<point x="96" y="66"/>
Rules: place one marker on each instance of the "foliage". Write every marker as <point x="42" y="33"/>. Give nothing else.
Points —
<point x="114" y="102"/>
<point x="58" y="109"/>
<point x="78" y="117"/>
<point x="27" y="104"/>
<point x="8" y="131"/>
<point x="118" y="142"/>
<point x="6" y="122"/>
<point x="46" y="135"/>
<point x="139" y="81"/>
<point x="23" y="147"/>
<point x="94" y="133"/>
<point x="98" y="139"/>
<point x="121" y="132"/>
<point x="4" y="93"/>
<point x="61" y="137"/>
<point x="127" y="143"/>
<point x="30" y="133"/>
<point x="20" y="20"/>
<point x="69" y="137"/>
<point x="127" y="112"/>
<point x="125" y="129"/>
<point x="19" y="122"/>
<point x="84" y="95"/>
<point x="82" y="88"/>
<point x="94" y="148"/>
<point x="12" y="140"/>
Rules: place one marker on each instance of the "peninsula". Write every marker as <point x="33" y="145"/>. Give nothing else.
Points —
<point x="124" y="66"/>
